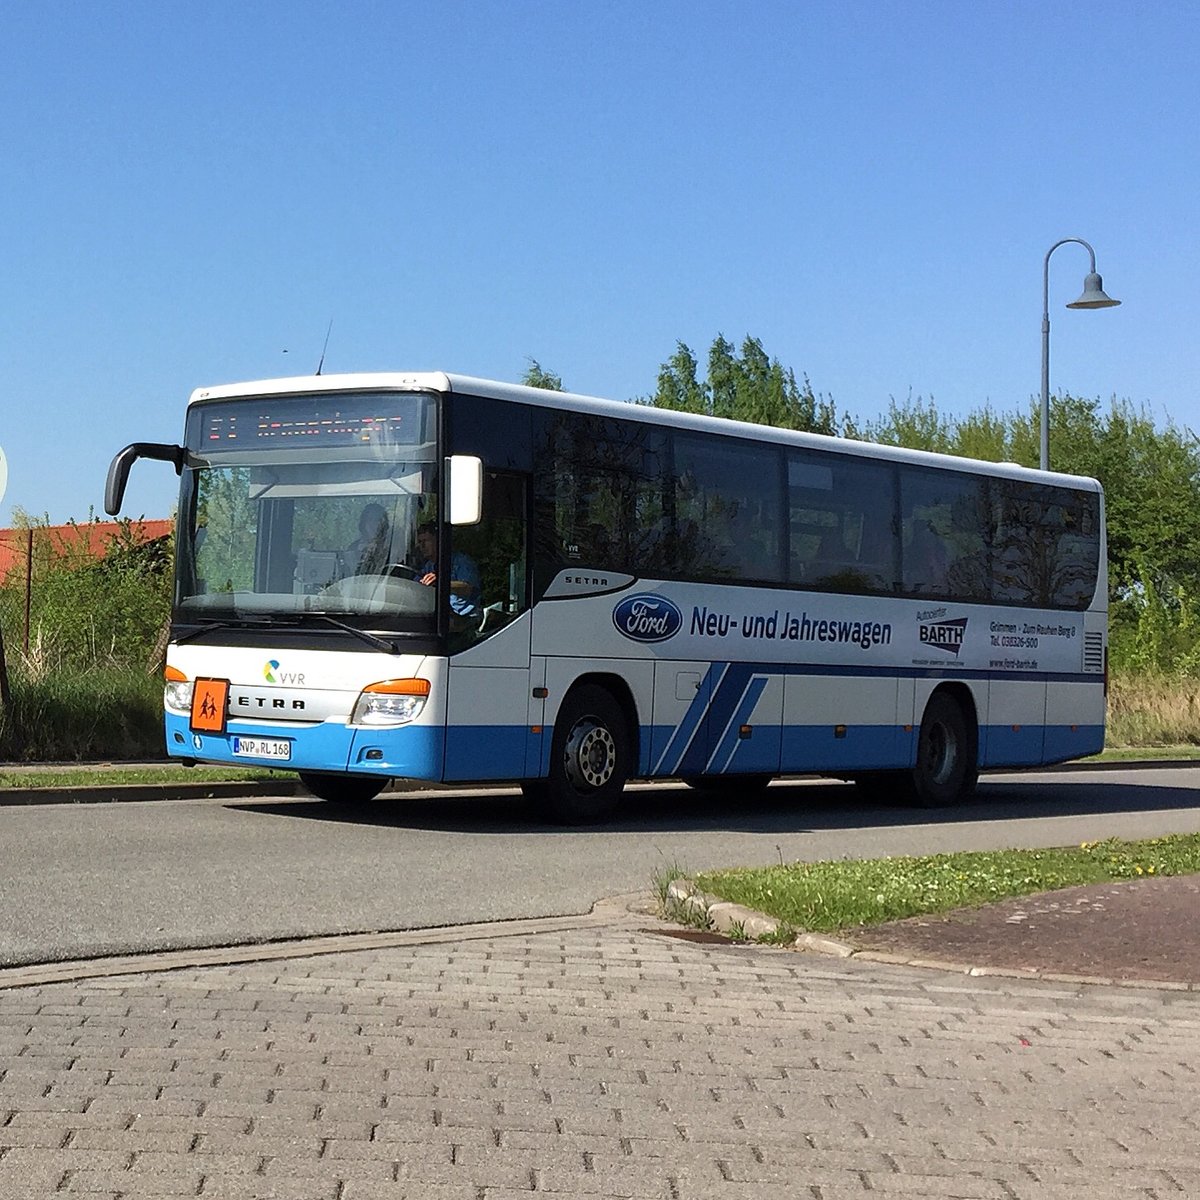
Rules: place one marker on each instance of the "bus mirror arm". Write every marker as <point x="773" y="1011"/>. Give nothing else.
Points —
<point x="118" y="470"/>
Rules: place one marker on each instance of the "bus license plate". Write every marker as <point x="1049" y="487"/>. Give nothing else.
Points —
<point x="256" y="747"/>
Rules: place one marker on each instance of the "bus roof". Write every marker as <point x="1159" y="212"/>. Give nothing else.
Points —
<point x="439" y="381"/>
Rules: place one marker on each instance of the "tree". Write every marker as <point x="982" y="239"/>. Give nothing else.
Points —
<point x="678" y="388"/>
<point x="750" y="386"/>
<point x="537" y="376"/>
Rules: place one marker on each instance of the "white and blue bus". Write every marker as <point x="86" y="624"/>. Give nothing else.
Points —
<point x="434" y="577"/>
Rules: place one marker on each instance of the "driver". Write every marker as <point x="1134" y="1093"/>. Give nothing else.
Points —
<point x="464" y="574"/>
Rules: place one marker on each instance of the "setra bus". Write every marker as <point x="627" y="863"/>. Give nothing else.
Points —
<point x="434" y="577"/>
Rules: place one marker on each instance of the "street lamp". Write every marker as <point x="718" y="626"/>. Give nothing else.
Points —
<point x="1093" y="297"/>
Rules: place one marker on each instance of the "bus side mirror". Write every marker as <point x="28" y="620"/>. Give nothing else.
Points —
<point x="118" y="469"/>
<point x="464" y="488"/>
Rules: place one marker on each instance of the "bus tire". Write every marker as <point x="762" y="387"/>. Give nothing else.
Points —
<point x="343" y="789"/>
<point x="590" y="758"/>
<point x="730" y="785"/>
<point x="946" y="770"/>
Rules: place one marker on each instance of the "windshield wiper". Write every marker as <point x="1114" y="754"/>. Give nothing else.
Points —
<point x="205" y="626"/>
<point x="370" y="638"/>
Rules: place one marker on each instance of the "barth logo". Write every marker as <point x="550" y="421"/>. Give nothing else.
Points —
<point x="944" y="635"/>
<point x="647" y="618"/>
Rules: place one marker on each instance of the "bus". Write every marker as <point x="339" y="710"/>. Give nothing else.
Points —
<point x="433" y="577"/>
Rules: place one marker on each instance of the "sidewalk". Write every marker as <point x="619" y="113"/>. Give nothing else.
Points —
<point x="592" y="1057"/>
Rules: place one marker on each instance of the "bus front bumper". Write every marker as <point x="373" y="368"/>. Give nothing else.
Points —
<point x="406" y="751"/>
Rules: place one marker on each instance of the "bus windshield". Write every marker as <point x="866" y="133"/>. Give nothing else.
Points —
<point x="309" y="504"/>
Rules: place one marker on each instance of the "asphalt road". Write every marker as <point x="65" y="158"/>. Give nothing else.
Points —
<point x="80" y="881"/>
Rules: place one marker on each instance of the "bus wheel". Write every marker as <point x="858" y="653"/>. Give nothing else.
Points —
<point x="589" y="758"/>
<point x="729" y="785"/>
<point x="946" y="770"/>
<point x="343" y="789"/>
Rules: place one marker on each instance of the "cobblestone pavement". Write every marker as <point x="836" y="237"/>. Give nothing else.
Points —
<point x="594" y="1060"/>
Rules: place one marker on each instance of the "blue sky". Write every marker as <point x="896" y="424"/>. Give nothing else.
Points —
<point x="192" y="192"/>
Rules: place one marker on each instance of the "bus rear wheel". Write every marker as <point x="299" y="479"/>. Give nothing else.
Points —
<point x="590" y="759"/>
<point x="342" y="789"/>
<point x="946" y="769"/>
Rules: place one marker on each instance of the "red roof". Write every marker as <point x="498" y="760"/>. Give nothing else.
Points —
<point x="90" y="539"/>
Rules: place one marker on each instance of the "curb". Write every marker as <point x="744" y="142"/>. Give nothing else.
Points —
<point x="735" y="921"/>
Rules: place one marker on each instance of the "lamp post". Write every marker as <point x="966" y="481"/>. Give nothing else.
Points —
<point x="1093" y="297"/>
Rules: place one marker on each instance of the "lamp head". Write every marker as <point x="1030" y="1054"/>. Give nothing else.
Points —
<point x="1093" y="295"/>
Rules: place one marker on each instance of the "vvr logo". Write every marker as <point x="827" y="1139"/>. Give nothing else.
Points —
<point x="647" y="618"/>
<point x="269" y="674"/>
<point x="945" y="635"/>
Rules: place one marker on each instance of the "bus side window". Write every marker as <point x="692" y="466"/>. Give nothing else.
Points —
<point x="497" y="547"/>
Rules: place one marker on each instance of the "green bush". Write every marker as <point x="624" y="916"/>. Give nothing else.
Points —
<point x="85" y="672"/>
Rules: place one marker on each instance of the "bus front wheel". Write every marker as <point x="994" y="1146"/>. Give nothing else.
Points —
<point x="342" y="789"/>
<point x="589" y="758"/>
<point x="946" y="769"/>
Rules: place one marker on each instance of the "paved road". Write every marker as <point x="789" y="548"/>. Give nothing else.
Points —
<point x="84" y="880"/>
<point x="597" y="1058"/>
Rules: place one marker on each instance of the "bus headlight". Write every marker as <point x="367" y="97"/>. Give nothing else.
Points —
<point x="391" y="702"/>
<point x="177" y="692"/>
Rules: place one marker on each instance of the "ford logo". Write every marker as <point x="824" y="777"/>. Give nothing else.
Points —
<point x="647" y="618"/>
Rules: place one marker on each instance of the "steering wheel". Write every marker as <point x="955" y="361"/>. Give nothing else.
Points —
<point x="399" y="568"/>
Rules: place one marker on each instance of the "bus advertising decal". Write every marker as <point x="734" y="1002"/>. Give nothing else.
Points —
<point x="651" y="618"/>
<point x="647" y="618"/>
<point x="944" y="635"/>
<point x="788" y="626"/>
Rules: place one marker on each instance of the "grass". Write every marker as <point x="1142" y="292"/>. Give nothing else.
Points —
<point x="824" y="897"/>
<point x="102" y="712"/>
<point x="106" y="774"/>
<point x="1150" y="709"/>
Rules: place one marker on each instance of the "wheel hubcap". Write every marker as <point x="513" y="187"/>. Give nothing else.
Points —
<point x="591" y="755"/>
<point x="940" y="754"/>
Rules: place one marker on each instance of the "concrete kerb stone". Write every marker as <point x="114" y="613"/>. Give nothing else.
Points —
<point x="710" y="912"/>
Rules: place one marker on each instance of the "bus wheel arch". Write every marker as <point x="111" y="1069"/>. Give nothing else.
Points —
<point x="593" y="752"/>
<point x="947" y="761"/>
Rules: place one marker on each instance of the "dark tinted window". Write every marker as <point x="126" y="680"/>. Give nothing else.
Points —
<point x="728" y="510"/>
<point x="945" y="534"/>
<point x="841" y="521"/>
<point x="494" y="430"/>
<point x="1046" y="545"/>
<point x="599" y="495"/>
<point x="619" y="496"/>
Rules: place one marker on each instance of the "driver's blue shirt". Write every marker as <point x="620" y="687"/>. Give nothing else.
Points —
<point x="462" y="570"/>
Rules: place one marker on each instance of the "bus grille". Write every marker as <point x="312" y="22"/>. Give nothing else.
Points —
<point x="1093" y="652"/>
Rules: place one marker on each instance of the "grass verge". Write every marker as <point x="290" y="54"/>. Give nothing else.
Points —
<point x="824" y="897"/>
<point x="105" y="774"/>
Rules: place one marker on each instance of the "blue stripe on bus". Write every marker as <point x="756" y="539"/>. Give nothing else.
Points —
<point x="727" y="695"/>
<point x="731" y="742"/>
<point x="816" y="749"/>
<point x="681" y="736"/>
<point x="706" y="741"/>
